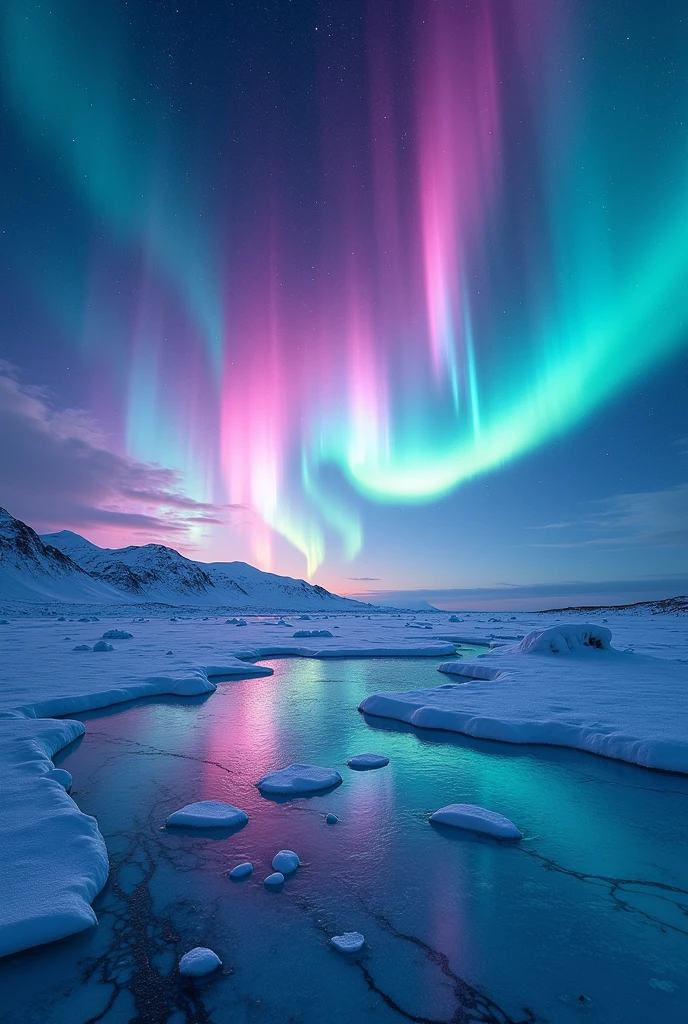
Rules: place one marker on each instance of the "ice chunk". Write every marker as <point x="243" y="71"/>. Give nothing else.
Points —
<point x="241" y="870"/>
<point x="102" y="646"/>
<point x="198" y="962"/>
<point x="477" y="819"/>
<point x="313" y="632"/>
<point x="364" y="762"/>
<point x="275" y="879"/>
<point x="241" y="622"/>
<point x="299" y="778"/>
<point x="285" y="861"/>
<point x="208" y="814"/>
<point x="348" y="942"/>
<point x="82" y="647"/>
<point x="117" y="634"/>
<point x="61" y="776"/>
<point x="331" y="818"/>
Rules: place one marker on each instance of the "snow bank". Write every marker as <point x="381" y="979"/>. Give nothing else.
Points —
<point x="43" y="896"/>
<point x="477" y="819"/>
<point x="299" y="778"/>
<point x="562" y="686"/>
<point x="208" y="814"/>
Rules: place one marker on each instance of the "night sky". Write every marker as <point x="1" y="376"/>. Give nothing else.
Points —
<point x="389" y="294"/>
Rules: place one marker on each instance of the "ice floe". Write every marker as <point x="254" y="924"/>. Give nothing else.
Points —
<point x="348" y="942"/>
<point x="366" y="762"/>
<point x="299" y="778"/>
<point x="477" y="819"/>
<point x="208" y="814"/>
<point x="198" y="962"/>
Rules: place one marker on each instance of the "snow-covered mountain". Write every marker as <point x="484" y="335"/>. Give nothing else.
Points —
<point x="31" y="570"/>
<point x="154" y="573"/>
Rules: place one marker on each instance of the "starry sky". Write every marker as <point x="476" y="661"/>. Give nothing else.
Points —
<point x="392" y="296"/>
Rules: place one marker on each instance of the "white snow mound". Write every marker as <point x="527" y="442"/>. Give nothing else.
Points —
<point x="566" y="639"/>
<point x="208" y="814"/>
<point x="477" y="819"/>
<point x="198" y="962"/>
<point x="285" y="861"/>
<point x="299" y="778"/>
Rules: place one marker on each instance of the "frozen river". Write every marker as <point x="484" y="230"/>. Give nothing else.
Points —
<point x="586" y="919"/>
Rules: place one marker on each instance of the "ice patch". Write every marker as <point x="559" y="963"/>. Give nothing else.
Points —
<point x="348" y="942"/>
<point x="208" y="814"/>
<point x="285" y="861"/>
<point x="199" y="962"/>
<point x="477" y="819"/>
<point x="366" y="762"/>
<point x="299" y="778"/>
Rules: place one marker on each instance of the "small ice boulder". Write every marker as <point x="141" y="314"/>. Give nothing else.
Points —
<point x="348" y="942"/>
<point x="117" y="634"/>
<point x="331" y="818"/>
<point x="82" y="647"/>
<point x="231" y="622"/>
<point x="102" y="646"/>
<point x="208" y="814"/>
<point x="168" y="654"/>
<point x="285" y="861"/>
<point x="84" y="618"/>
<point x="476" y="819"/>
<point x="304" y="618"/>
<point x="61" y="776"/>
<point x="241" y="870"/>
<point x="454" y="618"/>
<point x="299" y="778"/>
<point x="199" y="962"/>
<point x="241" y="622"/>
<point x="273" y="880"/>
<point x="365" y="762"/>
<point x="5" y="622"/>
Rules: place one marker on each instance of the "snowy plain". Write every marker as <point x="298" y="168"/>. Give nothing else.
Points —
<point x="624" y="703"/>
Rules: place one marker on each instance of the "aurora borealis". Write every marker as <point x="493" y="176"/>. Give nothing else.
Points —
<point x="329" y="260"/>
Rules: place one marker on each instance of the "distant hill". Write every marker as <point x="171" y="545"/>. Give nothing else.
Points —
<point x="667" y="606"/>
<point x="66" y="567"/>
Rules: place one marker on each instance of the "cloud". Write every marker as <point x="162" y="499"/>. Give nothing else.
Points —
<point x="363" y="579"/>
<point x="647" y="519"/>
<point x="56" y="471"/>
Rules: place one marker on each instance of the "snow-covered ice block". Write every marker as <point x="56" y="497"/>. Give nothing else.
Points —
<point x="275" y="879"/>
<point x="241" y="870"/>
<point x="331" y="818"/>
<point x="102" y="646"/>
<point x="299" y="778"/>
<point x="61" y="776"/>
<point x="199" y="962"/>
<point x="364" y="762"/>
<point x="477" y="819"/>
<point x="117" y="634"/>
<point x="285" y="861"/>
<point x="565" y="639"/>
<point x="208" y="814"/>
<point x="348" y="942"/>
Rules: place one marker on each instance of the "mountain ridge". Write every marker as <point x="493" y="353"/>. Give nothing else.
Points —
<point x="66" y="567"/>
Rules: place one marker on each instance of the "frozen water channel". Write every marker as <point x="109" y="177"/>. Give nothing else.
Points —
<point x="586" y="919"/>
